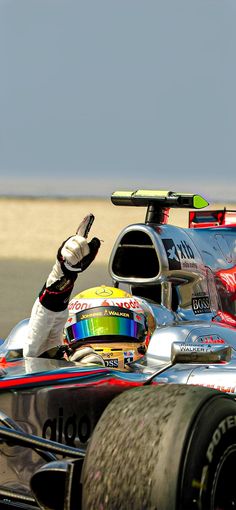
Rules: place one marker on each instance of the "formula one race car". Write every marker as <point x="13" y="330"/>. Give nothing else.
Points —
<point x="161" y="433"/>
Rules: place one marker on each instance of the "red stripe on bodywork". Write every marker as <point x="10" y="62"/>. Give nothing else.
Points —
<point x="26" y="380"/>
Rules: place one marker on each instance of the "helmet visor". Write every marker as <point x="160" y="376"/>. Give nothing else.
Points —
<point x="107" y="321"/>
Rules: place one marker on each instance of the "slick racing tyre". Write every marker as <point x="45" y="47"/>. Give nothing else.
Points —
<point x="167" y="447"/>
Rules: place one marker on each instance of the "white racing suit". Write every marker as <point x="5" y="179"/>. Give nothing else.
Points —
<point x="45" y="330"/>
<point x="50" y="311"/>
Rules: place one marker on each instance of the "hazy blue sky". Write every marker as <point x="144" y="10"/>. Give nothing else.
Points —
<point x="97" y="95"/>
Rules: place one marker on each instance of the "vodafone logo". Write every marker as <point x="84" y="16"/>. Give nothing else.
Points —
<point x="129" y="303"/>
<point x="78" y="305"/>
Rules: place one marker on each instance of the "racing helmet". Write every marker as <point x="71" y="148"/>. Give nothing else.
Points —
<point x="116" y="324"/>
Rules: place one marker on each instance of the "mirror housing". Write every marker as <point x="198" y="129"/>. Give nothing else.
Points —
<point x="198" y="353"/>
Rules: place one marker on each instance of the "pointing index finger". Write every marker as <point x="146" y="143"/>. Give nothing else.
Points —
<point x="85" y="225"/>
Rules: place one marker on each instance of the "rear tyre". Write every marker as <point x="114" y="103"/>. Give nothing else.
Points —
<point x="168" y="447"/>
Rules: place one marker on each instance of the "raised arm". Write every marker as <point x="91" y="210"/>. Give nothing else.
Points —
<point x="49" y="312"/>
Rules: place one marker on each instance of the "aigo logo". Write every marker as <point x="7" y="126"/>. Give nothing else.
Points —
<point x="67" y="429"/>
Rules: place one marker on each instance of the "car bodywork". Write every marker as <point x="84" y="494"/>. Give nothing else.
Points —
<point x="188" y="278"/>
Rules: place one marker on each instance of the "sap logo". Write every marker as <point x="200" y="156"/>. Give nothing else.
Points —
<point x="66" y="430"/>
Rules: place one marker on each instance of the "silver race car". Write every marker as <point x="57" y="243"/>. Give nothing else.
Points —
<point x="160" y="433"/>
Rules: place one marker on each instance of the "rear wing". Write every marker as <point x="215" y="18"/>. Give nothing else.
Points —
<point x="158" y="202"/>
<point x="204" y="219"/>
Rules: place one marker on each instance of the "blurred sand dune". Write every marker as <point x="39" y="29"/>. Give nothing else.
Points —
<point x="31" y="230"/>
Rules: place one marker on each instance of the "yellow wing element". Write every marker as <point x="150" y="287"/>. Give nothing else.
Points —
<point x="161" y="198"/>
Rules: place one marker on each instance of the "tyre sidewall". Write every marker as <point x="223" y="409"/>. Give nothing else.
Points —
<point x="212" y="436"/>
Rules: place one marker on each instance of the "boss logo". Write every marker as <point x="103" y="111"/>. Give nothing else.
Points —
<point x="112" y="363"/>
<point x="201" y="304"/>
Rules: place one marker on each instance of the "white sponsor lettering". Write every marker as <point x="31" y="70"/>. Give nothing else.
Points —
<point x="194" y="348"/>
<point x="78" y="305"/>
<point x="224" y="425"/>
<point x="172" y="254"/>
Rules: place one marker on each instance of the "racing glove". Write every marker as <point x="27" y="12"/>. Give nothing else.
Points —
<point x="84" y="355"/>
<point x="74" y="256"/>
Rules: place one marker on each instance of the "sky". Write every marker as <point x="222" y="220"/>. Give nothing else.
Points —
<point x="99" y="95"/>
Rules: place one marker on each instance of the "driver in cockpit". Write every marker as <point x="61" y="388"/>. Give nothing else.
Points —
<point x="105" y="321"/>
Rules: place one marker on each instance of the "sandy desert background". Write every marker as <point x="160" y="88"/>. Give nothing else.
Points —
<point x="31" y="230"/>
